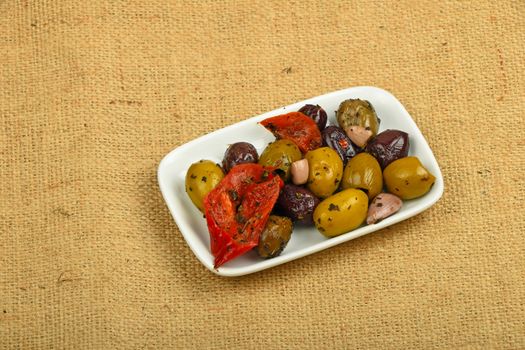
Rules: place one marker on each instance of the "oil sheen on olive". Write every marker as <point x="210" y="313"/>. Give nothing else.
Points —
<point x="239" y="153"/>
<point x="281" y="154"/>
<point x="297" y="203"/>
<point x="317" y="113"/>
<point x="201" y="178"/>
<point x="407" y="178"/>
<point x="275" y="236"/>
<point x="341" y="212"/>
<point x="358" y="112"/>
<point x="325" y="171"/>
<point x="363" y="172"/>
<point x="335" y="138"/>
<point x="388" y="146"/>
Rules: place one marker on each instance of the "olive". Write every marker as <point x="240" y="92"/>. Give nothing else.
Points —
<point x="325" y="169"/>
<point x="341" y="212"/>
<point x="297" y="203"/>
<point x="201" y="178"/>
<point x="239" y="153"/>
<point x="280" y="155"/>
<point x="388" y="146"/>
<point x="336" y="138"/>
<point x="317" y="113"/>
<point x="407" y="178"/>
<point x="275" y="236"/>
<point x="363" y="172"/>
<point x="357" y="112"/>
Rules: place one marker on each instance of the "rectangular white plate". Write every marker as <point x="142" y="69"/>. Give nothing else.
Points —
<point x="305" y="240"/>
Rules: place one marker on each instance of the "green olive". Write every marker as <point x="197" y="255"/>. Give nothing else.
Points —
<point x="325" y="171"/>
<point x="358" y="112"/>
<point x="201" y="178"/>
<point x="342" y="212"/>
<point x="364" y="172"/>
<point x="408" y="178"/>
<point x="275" y="236"/>
<point x="281" y="154"/>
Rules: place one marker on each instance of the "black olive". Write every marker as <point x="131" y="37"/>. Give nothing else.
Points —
<point x="317" y="113"/>
<point x="239" y="153"/>
<point x="335" y="138"/>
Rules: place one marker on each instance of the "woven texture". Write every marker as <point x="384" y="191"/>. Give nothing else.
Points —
<point x="93" y="94"/>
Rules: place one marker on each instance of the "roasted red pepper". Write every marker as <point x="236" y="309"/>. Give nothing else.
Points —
<point x="238" y="208"/>
<point x="297" y="127"/>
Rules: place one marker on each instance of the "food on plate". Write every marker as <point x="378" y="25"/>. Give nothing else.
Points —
<point x="335" y="138"/>
<point x="317" y="113"/>
<point x="341" y="212"/>
<point x="201" y="178"/>
<point x="359" y="135"/>
<point x="275" y="236"/>
<point x="336" y="177"/>
<point x="363" y="172"/>
<point x="239" y="153"/>
<point x="388" y="146"/>
<point x="325" y="171"/>
<point x="358" y="112"/>
<point x="237" y="209"/>
<point x="383" y="205"/>
<point x="299" y="172"/>
<point x="297" y="203"/>
<point x="296" y="127"/>
<point x="408" y="178"/>
<point x="280" y="155"/>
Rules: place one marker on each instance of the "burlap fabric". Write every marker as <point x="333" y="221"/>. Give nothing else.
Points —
<point x="93" y="94"/>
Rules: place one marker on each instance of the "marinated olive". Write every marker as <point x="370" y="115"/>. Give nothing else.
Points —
<point x="408" y="178"/>
<point x="297" y="203"/>
<point x="363" y="172"/>
<point x="238" y="153"/>
<point x="201" y="178"/>
<point x="281" y="154"/>
<point x="275" y="236"/>
<point x="358" y="112"/>
<point x="388" y="146"/>
<point x="325" y="171"/>
<point x="317" y="113"/>
<point x="342" y="212"/>
<point x="335" y="138"/>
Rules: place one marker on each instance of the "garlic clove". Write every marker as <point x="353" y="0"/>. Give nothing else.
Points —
<point x="359" y="135"/>
<point x="382" y="206"/>
<point x="299" y="172"/>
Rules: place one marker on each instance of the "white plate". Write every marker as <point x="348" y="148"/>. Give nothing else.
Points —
<point x="305" y="240"/>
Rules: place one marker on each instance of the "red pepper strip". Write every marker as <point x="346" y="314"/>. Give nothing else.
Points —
<point x="237" y="210"/>
<point x="296" y="127"/>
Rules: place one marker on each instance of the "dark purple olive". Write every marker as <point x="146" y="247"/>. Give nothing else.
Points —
<point x="317" y="113"/>
<point x="297" y="203"/>
<point x="335" y="138"/>
<point x="239" y="153"/>
<point x="388" y="146"/>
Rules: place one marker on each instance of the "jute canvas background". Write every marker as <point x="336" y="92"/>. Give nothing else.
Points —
<point x="93" y="94"/>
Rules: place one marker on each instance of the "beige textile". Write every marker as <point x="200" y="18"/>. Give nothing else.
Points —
<point x="94" y="93"/>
